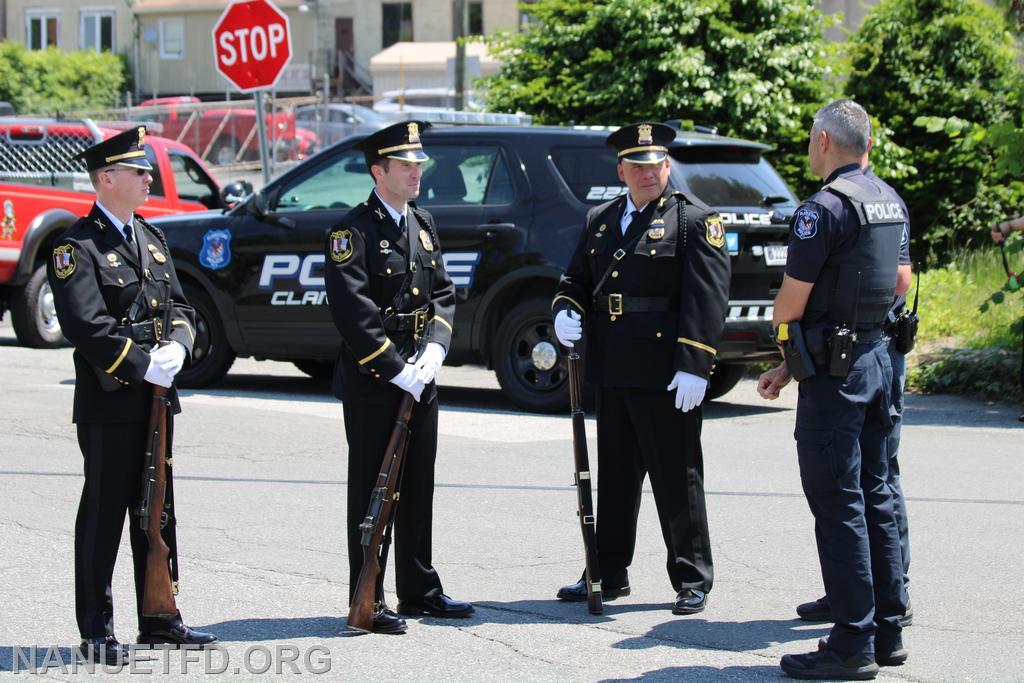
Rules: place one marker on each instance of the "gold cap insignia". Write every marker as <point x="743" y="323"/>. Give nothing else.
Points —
<point x="644" y="136"/>
<point x="414" y="132"/>
<point x="426" y="240"/>
<point x="341" y="245"/>
<point x="142" y="136"/>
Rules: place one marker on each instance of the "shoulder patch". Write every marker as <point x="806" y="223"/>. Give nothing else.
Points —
<point x="805" y="223"/>
<point x="64" y="261"/>
<point x="714" y="230"/>
<point x="341" y="245"/>
<point x="905" y="239"/>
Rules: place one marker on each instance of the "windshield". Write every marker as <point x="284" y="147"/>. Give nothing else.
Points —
<point x="729" y="176"/>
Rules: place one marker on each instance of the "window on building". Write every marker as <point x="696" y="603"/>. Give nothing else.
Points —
<point x="476" y="18"/>
<point x="397" y="22"/>
<point x="172" y="38"/>
<point x="97" y="31"/>
<point x="42" y="29"/>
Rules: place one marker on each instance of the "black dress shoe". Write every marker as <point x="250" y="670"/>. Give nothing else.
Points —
<point x="887" y="652"/>
<point x="177" y="635"/>
<point x="387" y="622"/>
<point x="690" y="601"/>
<point x="826" y="664"/>
<point x="819" y="610"/>
<point x="577" y="592"/>
<point x="436" y="606"/>
<point x="104" y="650"/>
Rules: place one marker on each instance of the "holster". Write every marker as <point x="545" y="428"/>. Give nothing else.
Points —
<point x="794" y="348"/>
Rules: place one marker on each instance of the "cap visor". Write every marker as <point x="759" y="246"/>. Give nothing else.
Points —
<point x="141" y="162"/>
<point x="415" y="155"/>
<point x="644" y="157"/>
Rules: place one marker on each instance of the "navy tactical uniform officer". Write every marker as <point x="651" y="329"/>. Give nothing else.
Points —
<point x="111" y="273"/>
<point x="819" y="610"/>
<point x="841" y="277"/>
<point x="650" y="280"/>
<point x="390" y="297"/>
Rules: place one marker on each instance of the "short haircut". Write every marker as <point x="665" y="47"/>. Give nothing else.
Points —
<point x="94" y="175"/>
<point x="847" y="125"/>
<point x="383" y="162"/>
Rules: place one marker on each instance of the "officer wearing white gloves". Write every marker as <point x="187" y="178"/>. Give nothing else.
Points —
<point x="646" y="291"/>
<point x="111" y="275"/>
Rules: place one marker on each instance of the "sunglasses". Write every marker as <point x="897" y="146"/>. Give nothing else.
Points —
<point x="137" y="171"/>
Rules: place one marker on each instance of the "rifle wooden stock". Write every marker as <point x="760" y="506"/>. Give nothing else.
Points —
<point x="378" y="518"/>
<point x="584" y="494"/>
<point x="158" y="597"/>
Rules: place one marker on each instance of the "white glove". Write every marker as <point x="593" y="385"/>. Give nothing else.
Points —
<point x="408" y="380"/>
<point x="429" y="362"/>
<point x="170" y="357"/>
<point x="155" y="374"/>
<point x="568" y="327"/>
<point x="689" y="390"/>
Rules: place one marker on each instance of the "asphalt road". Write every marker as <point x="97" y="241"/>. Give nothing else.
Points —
<point x="260" y="467"/>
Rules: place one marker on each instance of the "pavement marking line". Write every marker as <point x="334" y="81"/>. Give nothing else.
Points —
<point x="505" y="487"/>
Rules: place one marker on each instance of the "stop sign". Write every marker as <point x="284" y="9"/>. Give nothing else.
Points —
<point x="252" y="44"/>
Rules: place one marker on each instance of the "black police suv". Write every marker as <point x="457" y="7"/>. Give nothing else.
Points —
<point x="509" y="203"/>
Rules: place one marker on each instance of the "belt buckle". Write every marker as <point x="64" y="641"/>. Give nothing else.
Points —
<point x="158" y="329"/>
<point x="420" y="322"/>
<point x="615" y="304"/>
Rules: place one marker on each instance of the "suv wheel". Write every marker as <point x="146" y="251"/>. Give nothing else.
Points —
<point x="211" y="355"/>
<point x="33" y="315"/>
<point x="529" y="361"/>
<point x="320" y="370"/>
<point x="724" y="378"/>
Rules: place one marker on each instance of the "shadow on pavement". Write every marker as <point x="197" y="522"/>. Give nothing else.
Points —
<point x="38" y="659"/>
<point x="251" y="630"/>
<point x="737" y="636"/>
<point x="705" y="673"/>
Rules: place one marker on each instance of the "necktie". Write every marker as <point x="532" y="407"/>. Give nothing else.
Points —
<point x="633" y="217"/>
<point x="128" y="233"/>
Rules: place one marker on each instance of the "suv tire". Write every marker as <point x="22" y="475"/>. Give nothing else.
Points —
<point x="211" y="355"/>
<point x="724" y="378"/>
<point x="32" y="313"/>
<point x="528" y="360"/>
<point x="320" y="370"/>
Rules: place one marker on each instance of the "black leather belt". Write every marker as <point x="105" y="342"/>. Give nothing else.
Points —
<point x="147" y="332"/>
<point x="617" y="304"/>
<point x="866" y="336"/>
<point x="415" y="322"/>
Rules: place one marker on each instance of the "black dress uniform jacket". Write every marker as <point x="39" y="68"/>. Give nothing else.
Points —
<point x="680" y="257"/>
<point x="95" y="276"/>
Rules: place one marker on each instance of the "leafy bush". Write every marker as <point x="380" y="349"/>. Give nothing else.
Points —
<point x="930" y="58"/>
<point x="754" y="68"/>
<point x="50" y="81"/>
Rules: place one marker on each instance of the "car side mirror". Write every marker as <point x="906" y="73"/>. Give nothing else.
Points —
<point x="236" y="192"/>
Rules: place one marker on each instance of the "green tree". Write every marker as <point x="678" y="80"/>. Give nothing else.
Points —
<point x="50" y="81"/>
<point x="939" y="58"/>
<point x="753" y="68"/>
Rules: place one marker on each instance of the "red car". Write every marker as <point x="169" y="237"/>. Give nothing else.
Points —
<point x="223" y="135"/>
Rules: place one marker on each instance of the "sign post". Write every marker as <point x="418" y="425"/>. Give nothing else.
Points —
<point x="251" y="47"/>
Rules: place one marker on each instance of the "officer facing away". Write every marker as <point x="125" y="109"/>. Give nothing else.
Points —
<point x="393" y="303"/>
<point x="650" y="282"/>
<point x="839" y="284"/>
<point x="110" y="274"/>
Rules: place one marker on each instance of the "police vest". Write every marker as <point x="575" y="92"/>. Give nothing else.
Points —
<point x="857" y="286"/>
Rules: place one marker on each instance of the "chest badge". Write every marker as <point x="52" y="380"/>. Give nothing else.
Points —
<point x="426" y="240"/>
<point x="157" y="256"/>
<point x="341" y="245"/>
<point x="112" y="260"/>
<point x="657" y="229"/>
<point x="64" y="261"/>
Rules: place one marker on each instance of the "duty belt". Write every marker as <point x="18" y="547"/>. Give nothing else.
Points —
<point x="415" y="322"/>
<point x="617" y="304"/>
<point x="147" y="332"/>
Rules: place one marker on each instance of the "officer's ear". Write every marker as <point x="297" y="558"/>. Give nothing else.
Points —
<point x="871" y="144"/>
<point x="618" y="168"/>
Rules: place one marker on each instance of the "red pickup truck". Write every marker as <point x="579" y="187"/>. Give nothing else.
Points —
<point x="42" y="192"/>
<point x="225" y="135"/>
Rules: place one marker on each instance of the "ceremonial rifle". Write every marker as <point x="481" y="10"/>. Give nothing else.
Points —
<point x="584" y="495"/>
<point x="376" y="526"/>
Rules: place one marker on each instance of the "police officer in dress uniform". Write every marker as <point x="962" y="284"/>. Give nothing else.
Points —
<point x="393" y="304"/>
<point x="111" y="275"/>
<point x="649" y="281"/>
<point x="819" y="610"/>
<point x="840" y="281"/>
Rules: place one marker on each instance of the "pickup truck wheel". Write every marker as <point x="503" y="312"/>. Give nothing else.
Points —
<point x="528" y="360"/>
<point x="211" y="355"/>
<point x="33" y="315"/>
<point x="320" y="370"/>
<point x="723" y="379"/>
<point x="224" y="152"/>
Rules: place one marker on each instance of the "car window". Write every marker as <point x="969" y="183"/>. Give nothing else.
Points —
<point x="156" y="189"/>
<point x="339" y="116"/>
<point x="462" y="175"/>
<point x="342" y="183"/>
<point x="192" y="181"/>
<point x="589" y="172"/>
<point x="723" y="176"/>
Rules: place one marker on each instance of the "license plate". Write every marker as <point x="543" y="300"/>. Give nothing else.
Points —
<point x="775" y="254"/>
